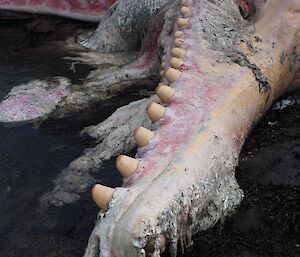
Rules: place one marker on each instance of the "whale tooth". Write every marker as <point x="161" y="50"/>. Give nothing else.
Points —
<point x="176" y="63"/>
<point x="178" y="52"/>
<point x="185" y="10"/>
<point x="163" y="58"/>
<point x="181" y="22"/>
<point x="165" y="93"/>
<point x="156" y="111"/>
<point x="172" y="74"/>
<point x="178" y="42"/>
<point x="126" y="165"/>
<point x="162" y="73"/>
<point x="178" y="33"/>
<point x="102" y="195"/>
<point x="143" y="136"/>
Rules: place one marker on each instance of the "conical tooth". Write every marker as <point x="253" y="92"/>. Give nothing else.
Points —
<point x="156" y="111"/>
<point x="143" y="136"/>
<point x="172" y="74"/>
<point x="163" y="58"/>
<point x="162" y="73"/>
<point x="178" y="33"/>
<point x="165" y="93"/>
<point x="185" y="10"/>
<point x="178" y="42"/>
<point x="176" y="63"/>
<point x="126" y="165"/>
<point x="181" y="22"/>
<point x="178" y="52"/>
<point x="102" y="195"/>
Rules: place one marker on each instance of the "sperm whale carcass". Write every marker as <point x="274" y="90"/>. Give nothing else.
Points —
<point x="77" y="9"/>
<point x="223" y="65"/>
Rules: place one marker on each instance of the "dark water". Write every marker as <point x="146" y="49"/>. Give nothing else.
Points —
<point x="267" y="223"/>
<point x="31" y="158"/>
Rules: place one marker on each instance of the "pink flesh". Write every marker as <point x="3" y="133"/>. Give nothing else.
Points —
<point x="31" y="103"/>
<point x="90" y="10"/>
<point x="185" y="112"/>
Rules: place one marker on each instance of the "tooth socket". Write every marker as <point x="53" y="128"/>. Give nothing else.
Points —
<point x="156" y="111"/>
<point x="178" y="33"/>
<point x="181" y="22"/>
<point x="176" y="63"/>
<point x="165" y="93"/>
<point x="172" y="74"/>
<point x="102" y="195"/>
<point x="126" y="165"/>
<point x="178" y="52"/>
<point x="185" y="10"/>
<point x="178" y="42"/>
<point x="143" y="136"/>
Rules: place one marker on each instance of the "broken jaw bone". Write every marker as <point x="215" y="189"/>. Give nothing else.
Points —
<point x="184" y="181"/>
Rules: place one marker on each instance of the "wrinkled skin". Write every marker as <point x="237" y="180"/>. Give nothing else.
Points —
<point x="241" y="56"/>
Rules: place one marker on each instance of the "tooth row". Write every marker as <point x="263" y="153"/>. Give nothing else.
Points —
<point x="142" y="136"/>
<point x="156" y="111"/>
<point x="178" y="42"/>
<point x="185" y="10"/>
<point x="178" y="33"/>
<point x="176" y="63"/>
<point x="165" y="93"/>
<point x="181" y="22"/>
<point x="125" y="164"/>
<point x="102" y="195"/>
<point x="178" y="52"/>
<point x="172" y="74"/>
